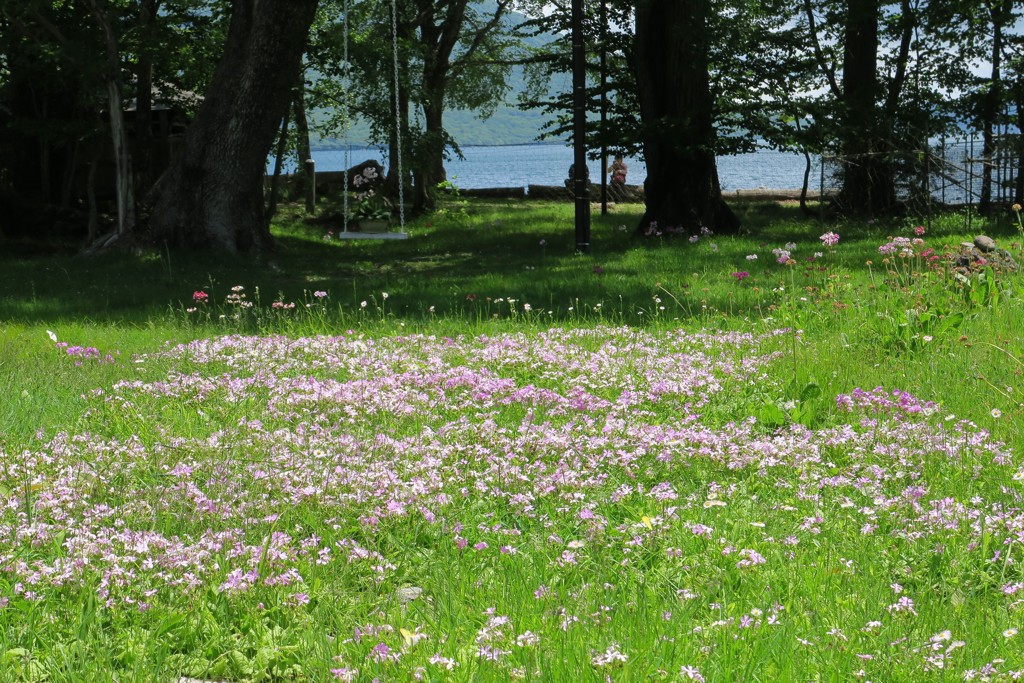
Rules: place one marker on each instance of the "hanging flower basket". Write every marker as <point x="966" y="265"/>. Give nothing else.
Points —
<point x="372" y="211"/>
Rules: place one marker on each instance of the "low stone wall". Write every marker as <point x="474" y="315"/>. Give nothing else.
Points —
<point x="495" y="192"/>
<point x="766" y="195"/>
<point x="626" y="194"/>
<point x="616" y="193"/>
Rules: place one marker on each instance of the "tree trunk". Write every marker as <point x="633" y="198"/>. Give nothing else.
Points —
<point x="93" y="228"/>
<point x="143" y="157"/>
<point x="431" y="155"/>
<point x="440" y="38"/>
<point x="67" y="187"/>
<point x="122" y="160"/>
<point x="45" y="155"/>
<point x="302" y="146"/>
<point x="275" y="179"/>
<point x="867" y="163"/>
<point x="213" y="194"/>
<point x="807" y="171"/>
<point x="682" y="189"/>
<point x="119" y="134"/>
<point x="990" y="107"/>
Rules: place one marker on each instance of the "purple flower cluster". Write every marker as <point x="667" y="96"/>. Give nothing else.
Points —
<point x="576" y="458"/>
<point x="895" y="404"/>
<point x="82" y="354"/>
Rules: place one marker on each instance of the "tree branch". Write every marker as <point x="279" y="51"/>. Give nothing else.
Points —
<point x="819" y="55"/>
<point x="460" y="64"/>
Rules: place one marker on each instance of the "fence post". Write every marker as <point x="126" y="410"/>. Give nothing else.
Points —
<point x="969" y="148"/>
<point x="942" y="151"/>
<point x="311" y="192"/>
<point x="821" y="191"/>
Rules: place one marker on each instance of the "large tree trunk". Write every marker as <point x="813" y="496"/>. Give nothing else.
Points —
<point x="440" y="39"/>
<point x="430" y="166"/>
<point x="682" y="190"/>
<point x="442" y="27"/>
<point x="867" y="162"/>
<point x="213" y="193"/>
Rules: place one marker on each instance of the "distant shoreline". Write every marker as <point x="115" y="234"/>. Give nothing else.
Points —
<point x="547" y="164"/>
<point x="341" y="148"/>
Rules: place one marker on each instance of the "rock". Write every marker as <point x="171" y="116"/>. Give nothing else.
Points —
<point x="971" y="259"/>
<point x="985" y="243"/>
<point x="407" y="594"/>
<point x="1007" y="262"/>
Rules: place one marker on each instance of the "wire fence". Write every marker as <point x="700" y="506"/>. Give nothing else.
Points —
<point x="947" y="172"/>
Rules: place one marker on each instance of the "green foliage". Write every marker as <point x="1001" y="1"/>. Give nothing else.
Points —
<point x="452" y="58"/>
<point x="549" y="65"/>
<point x="799" y="404"/>
<point x="914" y="329"/>
<point x="982" y="290"/>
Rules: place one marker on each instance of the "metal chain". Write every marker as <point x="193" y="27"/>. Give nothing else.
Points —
<point x="345" y="121"/>
<point x="398" y="116"/>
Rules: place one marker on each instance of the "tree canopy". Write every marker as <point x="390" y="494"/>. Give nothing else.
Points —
<point x="137" y="104"/>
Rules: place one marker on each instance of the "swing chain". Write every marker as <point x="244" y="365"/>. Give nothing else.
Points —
<point x="345" y="119"/>
<point x="398" y="115"/>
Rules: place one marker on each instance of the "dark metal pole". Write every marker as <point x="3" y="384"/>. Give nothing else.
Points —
<point x="579" y="131"/>
<point x="604" y="108"/>
<point x="310" y="166"/>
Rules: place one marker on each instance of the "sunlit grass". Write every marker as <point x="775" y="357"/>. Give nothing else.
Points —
<point x="474" y="455"/>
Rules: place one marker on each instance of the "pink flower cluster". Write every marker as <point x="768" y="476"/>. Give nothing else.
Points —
<point x="829" y="239"/>
<point x="902" y="246"/>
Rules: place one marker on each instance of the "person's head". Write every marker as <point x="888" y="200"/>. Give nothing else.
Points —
<point x="618" y="160"/>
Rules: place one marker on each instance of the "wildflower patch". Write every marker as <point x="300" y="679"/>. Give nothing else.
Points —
<point x="587" y="498"/>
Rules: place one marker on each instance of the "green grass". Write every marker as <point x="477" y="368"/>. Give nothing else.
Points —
<point x="462" y="266"/>
<point x="534" y="439"/>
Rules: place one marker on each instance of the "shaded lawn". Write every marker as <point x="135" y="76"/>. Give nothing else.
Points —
<point x="522" y="250"/>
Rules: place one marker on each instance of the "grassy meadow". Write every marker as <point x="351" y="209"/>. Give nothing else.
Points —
<point x="792" y="455"/>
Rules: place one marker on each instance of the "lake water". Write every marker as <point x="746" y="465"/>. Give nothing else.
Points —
<point x="548" y="164"/>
